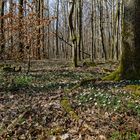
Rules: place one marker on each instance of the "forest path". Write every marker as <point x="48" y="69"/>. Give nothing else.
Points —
<point x="41" y="105"/>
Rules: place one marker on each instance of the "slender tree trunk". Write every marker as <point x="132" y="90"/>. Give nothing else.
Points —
<point x="21" y="45"/>
<point x="93" y="49"/>
<point x="42" y="45"/>
<point x="11" y="33"/>
<point x="2" y="38"/>
<point x="48" y="31"/>
<point x="73" y="32"/>
<point x="57" y="26"/>
<point x="80" y="26"/>
<point x="38" y="47"/>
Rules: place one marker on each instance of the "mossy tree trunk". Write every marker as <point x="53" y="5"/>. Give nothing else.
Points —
<point x="130" y="63"/>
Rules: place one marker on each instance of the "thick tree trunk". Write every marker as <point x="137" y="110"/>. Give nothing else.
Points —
<point x="130" y="63"/>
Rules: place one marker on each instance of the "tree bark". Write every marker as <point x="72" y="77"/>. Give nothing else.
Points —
<point x="11" y="22"/>
<point x="130" y="63"/>
<point x="2" y="43"/>
<point x="73" y="33"/>
<point x="21" y="45"/>
<point x="57" y="26"/>
<point x="80" y="26"/>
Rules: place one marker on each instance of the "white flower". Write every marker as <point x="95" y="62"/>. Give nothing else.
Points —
<point x="90" y="98"/>
<point x="119" y="101"/>
<point x="95" y="103"/>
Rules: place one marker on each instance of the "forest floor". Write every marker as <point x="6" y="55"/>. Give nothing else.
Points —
<point x="51" y="103"/>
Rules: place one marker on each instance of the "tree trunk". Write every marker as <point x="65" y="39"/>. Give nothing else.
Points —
<point x="42" y="40"/>
<point x="11" y="22"/>
<point x="130" y="63"/>
<point x="2" y="43"/>
<point x="93" y="49"/>
<point x="48" y="31"/>
<point x="80" y="26"/>
<point x="102" y="30"/>
<point x="73" y="33"/>
<point x="21" y="45"/>
<point x="38" y="49"/>
<point x="57" y="26"/>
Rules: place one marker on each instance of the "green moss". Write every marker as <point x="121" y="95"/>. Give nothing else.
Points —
<point x="135" y="89"/>
<point x="115" y="76"/>
<point x="70" y="64"/>
<point x="66" y="105"/>
<point x="127" y="134"/>
<point x="56" y="130"/>
<point x="123" y="72"/>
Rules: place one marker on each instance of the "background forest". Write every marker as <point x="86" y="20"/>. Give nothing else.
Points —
<point x="69" y="69"/>
<point x="41" y="29"/>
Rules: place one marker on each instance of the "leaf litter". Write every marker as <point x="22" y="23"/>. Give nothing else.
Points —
<point x="54" y="106"/>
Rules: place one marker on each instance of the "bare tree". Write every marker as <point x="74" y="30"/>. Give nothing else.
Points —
<point x="2" y="44"/>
